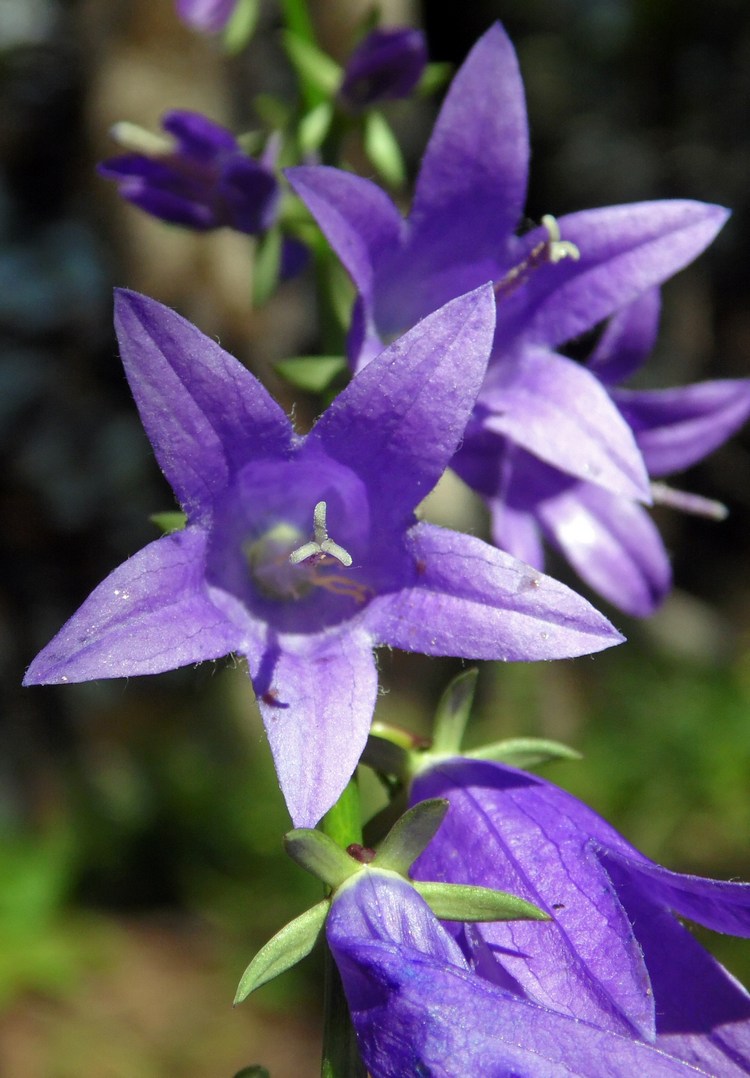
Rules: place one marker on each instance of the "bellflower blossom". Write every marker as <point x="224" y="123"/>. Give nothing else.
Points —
<point x="539" y="411"/>
<point x="609" y="539"/>
<point x="302" y="554"/>
<point x="613" y="954"/>
<point x="419" y="1008"/>
<point x="387" y="64"/>
<point x="198" y="177"/>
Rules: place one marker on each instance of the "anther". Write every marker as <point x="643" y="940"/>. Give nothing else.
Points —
<point x="321" y="545"/>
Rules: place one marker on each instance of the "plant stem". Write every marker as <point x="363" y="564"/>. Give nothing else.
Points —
<point x="340" y="1059"/>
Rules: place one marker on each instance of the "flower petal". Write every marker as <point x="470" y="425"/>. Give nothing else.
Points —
<point x="357" y="218"/>
<point x="317" y="707"/>
<point x="557" y="411"/>
<point x="472" y="184"/>
<point x="204" y="413"/>
<point x="702" y="1012"/>
<point x="627" y="340"/>
<point x="480" y="603"/>
<point x="416" y="1015"/>
<point x="611" y="542"/>
<point x="674" y="428"/>
<point x="625" y="250"/>
<point x="512" y="831"/>
<point x="250" y="193"/>
<point x="385" y="907"/>
<point x="723" y="906"/>
<point x="399" y="421"/>
<point x="153" y="613"/>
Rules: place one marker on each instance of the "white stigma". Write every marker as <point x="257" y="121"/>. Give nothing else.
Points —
<point x="321" y="544"/>
<point x="558" y="249"/>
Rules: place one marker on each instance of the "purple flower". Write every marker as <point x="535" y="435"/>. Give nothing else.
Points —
<point x="387" y="64"/>
<point x="419" y="1008"/>
<point x="548" y="447"/>
<point x="208" y="16"/>
<point x="199" y="178"/>
<point x="608" y="538"/>
<point x="613" y="955"/>
<point x="301" y="554"/>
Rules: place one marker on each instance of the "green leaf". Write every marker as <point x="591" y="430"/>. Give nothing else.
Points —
<point x="313" y="374"/>
<point x="410" y="835"/>
<point x="314" y="127"/>
<point x="319" y="74"/>
<point x="453" y="712"/>
<point x="169" y="521"/>
<point x="266" y="266"/>
<point x="461" y="902"/>
<point x="289" y="946"/>
<point x="320" y="855"/>
<point x="241" y="25"/>
<point x="383" y="150"/>
<point x="524" y="752"/>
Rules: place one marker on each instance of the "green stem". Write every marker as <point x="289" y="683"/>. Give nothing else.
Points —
<point x="340" y="1059"/>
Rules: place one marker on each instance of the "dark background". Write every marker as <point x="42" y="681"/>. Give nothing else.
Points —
<point x="140" y="822"/>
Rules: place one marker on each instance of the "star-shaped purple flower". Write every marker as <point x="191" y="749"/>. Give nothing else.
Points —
<point x="613" y="954"/>
<point x="200" y="177"/>
<point x="542" y="422"/>
<point x="419" y="1007"/>
<point x="302" y="554"/>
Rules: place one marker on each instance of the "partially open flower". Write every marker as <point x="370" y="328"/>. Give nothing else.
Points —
<point x="197" y="175"/>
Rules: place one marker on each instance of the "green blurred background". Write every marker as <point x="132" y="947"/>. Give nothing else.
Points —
<point x="140" y="822"/>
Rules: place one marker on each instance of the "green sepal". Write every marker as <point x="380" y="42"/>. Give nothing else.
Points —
<point x="169" y="521"/>
<point x="462" y="902"/>
<point x="320" y="855"/>
<point x="319" y="73"/>
<point x="266" y="266"/>
<point x="385" y="757"/>
<point x="410" y="835"/>
<point x="241" y="26"/>
<point x="524" y="752"/>
<point x="288" y="947"/>
<point x="314" y="127"/>
<point x="383" y="149"/>
<point x="313" y="374"/>
<point x="453" y="712"/>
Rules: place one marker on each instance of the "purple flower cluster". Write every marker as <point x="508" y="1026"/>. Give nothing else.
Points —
<point x="303" y="554"/>
<point x="555" y="450"/>
<point x="612" y="983"/>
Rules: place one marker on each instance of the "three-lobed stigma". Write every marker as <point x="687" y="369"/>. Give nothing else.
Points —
<point x="321" y="546"/>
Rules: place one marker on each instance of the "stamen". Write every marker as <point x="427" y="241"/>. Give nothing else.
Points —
<point x="321" y="547"/>
<point x="553" y="250"/>
<point x="688" y="503"/>
<point x="341" y="585"/>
